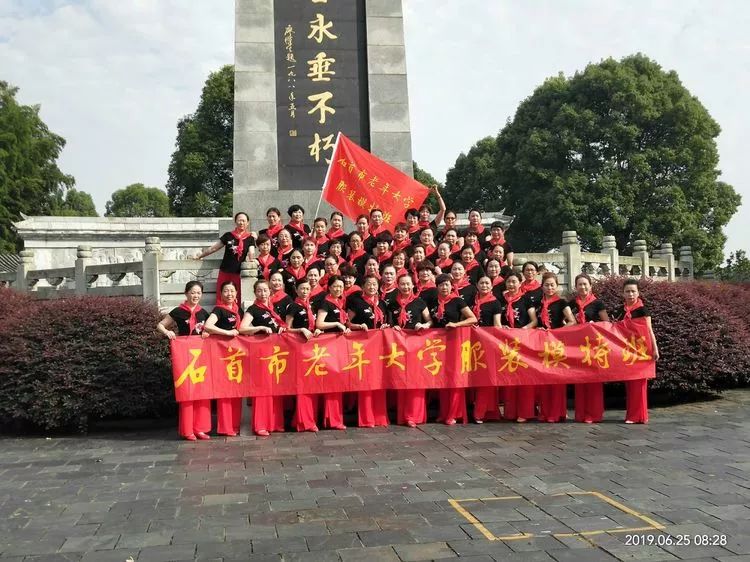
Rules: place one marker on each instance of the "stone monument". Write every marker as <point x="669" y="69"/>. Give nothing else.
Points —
<point x="305" y="70"/>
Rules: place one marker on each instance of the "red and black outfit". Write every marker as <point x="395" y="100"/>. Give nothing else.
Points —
<point x="268" y="265"/>
<point x="298" y="232"/>
<point x="486" y="398"/>
<point x="236" y="246"/>
<point x="333" y="402"/>
<point x="636" y="392"/>
<point x="272" y="233"/>
<point x="553" y="405"/>
<point x="518" y="399"/>
<point x="194" y="415"/>
<point x="228" y="410"/>
<point x="589" y="397"/>
<point x="302" y="315"/>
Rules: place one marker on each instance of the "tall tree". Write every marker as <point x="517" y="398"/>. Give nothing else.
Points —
<point x="621" y="148"/>
<point x="428" y="180"/>
<point x="74" y="204"/>
<point x="472" y="181"/>
<point x="30" y="180"/>
<point x="137" y="200"/>
<point x="200" y="173"/>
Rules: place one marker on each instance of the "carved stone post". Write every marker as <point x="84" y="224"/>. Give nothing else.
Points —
<point x="686" y="262"/>
<point x="640" y="250"/>
<point x="24" y="266"/>
<point x="571" y="251"/>
<point x="609" y="247"/>
<point x="150" y="279"/>
<point x="83" y="260"/>
<point x="668" y="254"/>
<point x="248" y="277"/>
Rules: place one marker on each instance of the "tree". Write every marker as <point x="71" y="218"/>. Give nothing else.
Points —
<point x="428" y="180"/>
<point x="74" y="204"/>
<point x="621" y="148"/>
<point x="30" y="180"/>
<point x="200" y="172"/>
<point x="137" y="200"/>
<point x="736" y="268"/>
<point x="472" y="181"/>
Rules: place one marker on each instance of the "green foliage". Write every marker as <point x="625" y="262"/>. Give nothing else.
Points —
<point x="73" y="204"/>
<point x="30" y="181"/>
<point x="200" y="173"/>
<point x="428" y="180"/>
<point x="472" y="181"/>
<point x="137" y="200"/>
<point x="737" y="268"/>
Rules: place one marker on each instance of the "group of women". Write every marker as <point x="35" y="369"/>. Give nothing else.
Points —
<point x="422" y="275"/>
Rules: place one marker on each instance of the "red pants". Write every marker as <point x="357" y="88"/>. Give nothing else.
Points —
<point x="519" y="402"/>
<point x="411" y="406"/>
<point x="590" y="402"/>
<point x="194" y="417"/>
<point x="222" y="278"/>
<point x="554" y="403"/>
<point x="486" y="403"/>
<point x="306" y="412"/>
<point x="371" y="409"/>
<point x="333" y="409"/>
<point x="268" y="413"/>
<point x="228" y="415"/>
<point x="636" y="401"/>
<point x="453" y="404"/>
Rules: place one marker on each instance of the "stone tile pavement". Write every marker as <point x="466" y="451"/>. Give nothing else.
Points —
<point x="490" y="492"/>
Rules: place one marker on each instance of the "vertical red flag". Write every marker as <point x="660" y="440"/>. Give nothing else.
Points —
<point x="357" y="182"/>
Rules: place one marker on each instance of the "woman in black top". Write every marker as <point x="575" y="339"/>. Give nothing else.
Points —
<point x="517" y="313"/>
<point x="494" y="272"/>
<point x="296" y="225"/>
<point x="636" y="391"/>
<point x="357" y="255"/>
<point x="451" y="312"/>
<point x="531" y="287"/>
<point x="408" y="312"/>
<point x="280" y="299"/>
<point x="267" y="262"/>
<point x="336" y="232"/>
<point x="553" y="312"/>
<point x="225" y="320"/>
<point x="367" y="312"/>
<point x="284" y="247"/>
<point x="310" y="256"/>
<point x="273" y="216"/>
<point x="487" y="310"/>
<point x="293" y="272"/>
<point x="188" y="320"/>
<point x="462" y="285"/>
<point x="589" y="397"/>
<point x="473" y="269"/>
<point x="426" y="288"/>
<point x="300" y="319"/>
<point x="262" y="318"/>
<point x="237" y="246"/>
<point x="332" y="317"/>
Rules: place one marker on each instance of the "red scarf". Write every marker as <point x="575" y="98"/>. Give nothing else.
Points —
<point x="428" y="285"/>
<point x="356" y="254"/>
<point x="269" y="308"/>
<point x="441" y="304"/>
<point x="324" y="281"/>
<point x="413" y="229"/>
<point x="376" y="310"/>
<point x="299" y="228"/>
<point x="401" y="272"/>
<point x="384" y="257"/>
<point x="479" y="229"/>
<point x="464" y="282"/>
<point x="337" y="233"/>
<point x="265" y="262"/>
<point x="510" y="300"/>
<point x="277" y="296"/>
<point x="497" y="280"/>
<point x="471" y="265"/>
<point x="322" y="240"/>
<point x="489" y="297"/>
<point x="456" y="249"/>
<point x="630" y="309"/>
<point x="272" y="231"/>
<point x="315" y="291"/>
<point x="284" y="252"/>
<point x="497" y="241"/>
<point x="544" y="315"/>
<point x="397" y="246"/>
<point x="339" y="303"/>
<point x="233" y="309"/>
<point x="351" y="290"/>
<point x="385" y="289"/>
<point x="581" y="316"/>
<point x="309" y="260"/>
<point x="378" y="230"/>
<point x="429" y="250"/>
<point x="240" y="237"/>
<point x="403" y="314"/>
<point x="424" y="224"/>
<point x="443" y="264"/>
<point x="192" y="321"/>
<point x="299" y="274"/>
<point x="475" y="247"/>
<point x="528" y="286"/>
<point x="305" y="303"/>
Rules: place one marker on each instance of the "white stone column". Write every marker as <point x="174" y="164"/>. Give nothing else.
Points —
<point x="668" y="254"/>
<point x="640" y="250"/>
<point x="248" y="277"/>
<point x="572" y="252"/>
<point x="686" y="262"/>
<point x="24" y="266"/>
<point x="150" y="277"/>
<point x="83" y="259"/>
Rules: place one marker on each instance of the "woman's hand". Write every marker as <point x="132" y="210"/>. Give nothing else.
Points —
<point x="419" y="326"/>
<point x="450" y="325"/>
<point x="234" y="333"/>
<point x="198" y="256"/>
<point x="397" y="328"/>
<point x="384" y="326"/>
<point x="656" y="353"/>
<point x="204" y="334"/>
<point x="306" y="333"/>
<point x="317" y="332"/>
<point x="363" y="327"/>
<point x="170" y="334"/>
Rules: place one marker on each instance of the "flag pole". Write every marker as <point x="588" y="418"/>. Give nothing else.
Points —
<point x="328" y="172"/>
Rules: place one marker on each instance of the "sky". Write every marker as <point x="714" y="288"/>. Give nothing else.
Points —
<point x="113" y="77"/>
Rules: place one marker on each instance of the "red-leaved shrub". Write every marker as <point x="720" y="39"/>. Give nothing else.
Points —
<point x="67" y="361"/>
<point x="704" y="345"/>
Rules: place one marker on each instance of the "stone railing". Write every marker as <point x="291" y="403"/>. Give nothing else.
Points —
<point x="163" y="280"/>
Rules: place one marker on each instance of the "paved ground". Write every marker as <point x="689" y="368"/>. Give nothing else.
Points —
<point x="496" y="491"/>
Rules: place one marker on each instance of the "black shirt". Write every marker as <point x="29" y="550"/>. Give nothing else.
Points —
<point x="619" y="313"/>
<point x="262" y="317"/>
<point x="225" y="319"/>
<point x="297" y="237"/>
<point x="469" y="294"/>
<point x="281" y="306"/>
<point x="232" y="259"/>
<point x="290" y="282"/>
<point x="533" y="298"/>
<point x="299" y="316"/>
<point x="556" y="314"/>
<point x="429" y="296"/>
<point x="332" y="313"/>
<point x="452" y="312"/>
<point x="363" y="313"/>
<point x="487" y="312"/>
<point x="414" y="311"/>
<point x="590" y="311"/>
<point x="181" y="319"/>
<point x="520" y="311"/>
<point x="272" y="267"/>
<point x="474" y="273"/>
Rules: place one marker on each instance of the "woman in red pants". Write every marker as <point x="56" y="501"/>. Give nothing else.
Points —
<point x="488" y="312"/>
<point x="587" y="308"/>
<point x="188" y="319"/>
<point x="636" y="392"/>
<point x="225" y="320"/>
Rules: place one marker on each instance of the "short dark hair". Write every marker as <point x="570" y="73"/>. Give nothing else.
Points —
<point x="496" y="224"/>
<point x="411" y="213"/>
<point x="384" y="236"/>
<point x="262" y="238"/>
<point x="442" y="278"/>
<point x="273" y="210"/>
<point x="294" y="208"/>
<point x="631" y="281"/>
<point x="190" y="284"/>
<point x="530" y="262"/>
<point x="242" y="213"/>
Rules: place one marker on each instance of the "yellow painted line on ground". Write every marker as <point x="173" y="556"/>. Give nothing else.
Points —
<point x="473" y="520"/>
<point x="629" y="511"/>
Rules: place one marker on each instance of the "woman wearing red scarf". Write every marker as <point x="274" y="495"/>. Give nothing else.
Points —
<point x="336" y="250"/>
<point x="587" y="308"/>
<point x="444" y="260"/>
<point x="300" y="319"/>
<point x="636" y="392"/>
<point x="336" y="232"/>
<point x="451" y="311"/>
<point x="273" y="216"/>
<point x="475" y="225"/>
<point x="417" y="256"/>
<point x="530" y="287"/>
<point x="425" y="212"/>
<point x="517" y="313"/>
<point x="409" y="312"/>
<point x="331" y="267"/>
<point x="426" y="288"/>
<point x="357" y="255"/>
<point x="401" y="240"/>
<point x="388" y="286"/>
<point x="498" y="253"/>
<point x="280" y="299"/>
<point x="455" y="243"/>
<point x="367" y="312"/>
<point x="267" y="263"/>
<point x="349" y="275"/>
<point x="451" y="219"/>
<point x="310" y="257"/>
<point x="411" y="216"/>
<point x="363" y="229"/>
<point x="427" y="239"/>
<point x="399" y="260"/>
<point x="553" y="312"/>
<point x="320" y="225"/>
<point x="188" y="319"/>
<point x="237" y="247"/>
<point x="225" y="320"/>
<point x="376" y="223"/>
<point x="497" y="240"/>
<point x="296" y="226"/>
<point x="473" y="270"/>
<point x="487" y="310"/>
<point x="494" y="272"/>
<point x="317" y="294"/>
<point x="284" y="247"/>
<point x="294" y="271"/>
<point x="332" y="317"/>
<point x="372" y="267"/>
<point x="262" y="318"/>
<point x="461" y="285"/>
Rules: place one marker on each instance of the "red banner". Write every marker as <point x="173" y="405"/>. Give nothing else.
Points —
<point x="272" y="365"/>
<point x="357" y="182"/>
